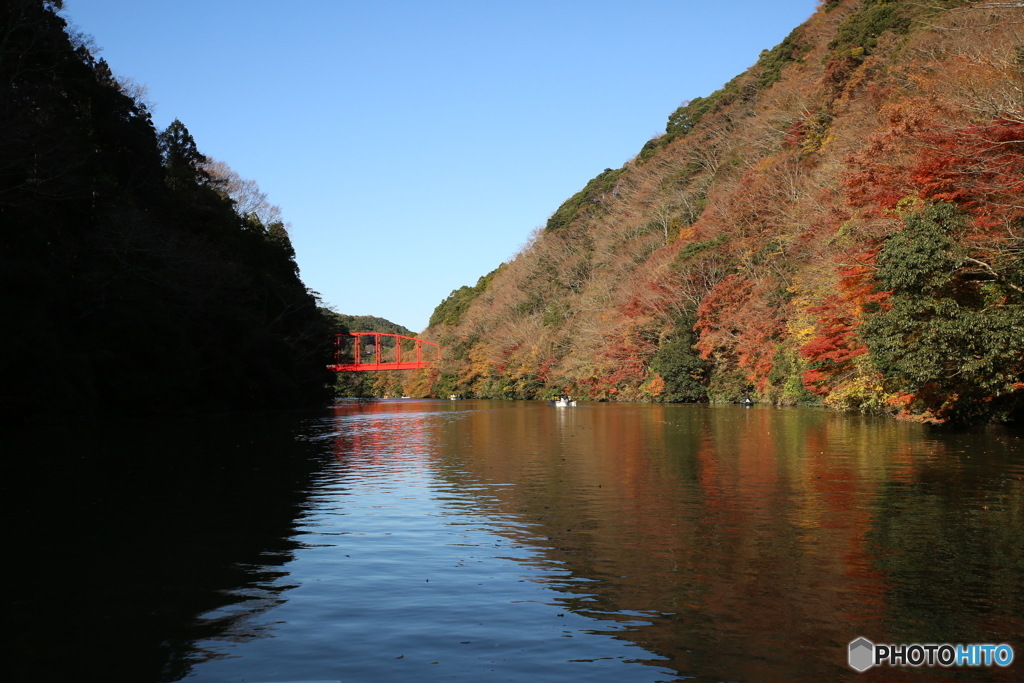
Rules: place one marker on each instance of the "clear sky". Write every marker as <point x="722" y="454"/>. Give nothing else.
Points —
<point x="413" y="145"/>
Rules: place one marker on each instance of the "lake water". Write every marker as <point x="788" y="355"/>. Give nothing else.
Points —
<point x="510" y="541"/>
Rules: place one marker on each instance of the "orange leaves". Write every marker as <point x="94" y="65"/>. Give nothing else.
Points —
<point x="620" y="367"/>
<point x="655" y="386"/>
<point x="980" y="168"/>
<point x="919" y="153"/>
<point x="880" y="174"/>
<point x="736" y="321"/>
<point x="544" y="370"/>
<point x="628" y="353"/>
<point x="746" y="221"/>
<point x="833" y="347"/>
<point x="718" y="309"/>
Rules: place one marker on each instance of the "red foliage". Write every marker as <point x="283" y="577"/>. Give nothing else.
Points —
<point x="735" y="321"/>
<point x="544" y="371"/>
<point x="627" y="357"/>
<point x="649" y="297"/>
<point x="835" y="345"/>
<point x="980" y="168"/>
<point x="838" y="71"/>
<point x="717" y="310"/>
<point x="623" y="362"/>
<point x="795" y="135"/>
<point x="880" y="176"/>
<point x="506" y="354"/>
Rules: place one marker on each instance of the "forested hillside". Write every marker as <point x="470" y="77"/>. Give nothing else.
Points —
<point x="136" y="275"/>
<point x="841" y="224"/>
<point x="368" y="323"/>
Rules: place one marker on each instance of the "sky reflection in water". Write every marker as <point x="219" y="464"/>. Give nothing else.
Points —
<point x="472" y="540"/>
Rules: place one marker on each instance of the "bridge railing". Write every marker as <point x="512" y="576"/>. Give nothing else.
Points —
<point x="366" y="351"/>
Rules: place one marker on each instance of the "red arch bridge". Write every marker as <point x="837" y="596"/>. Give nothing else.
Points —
<point x="365" y="351"/>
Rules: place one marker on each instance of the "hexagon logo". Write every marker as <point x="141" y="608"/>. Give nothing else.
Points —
<point x="862" y="654"/>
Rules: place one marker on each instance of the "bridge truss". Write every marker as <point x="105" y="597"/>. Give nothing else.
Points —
<point x="357" y="352"/>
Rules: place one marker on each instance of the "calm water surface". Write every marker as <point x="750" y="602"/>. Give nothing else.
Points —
<point x="511" y="541"/>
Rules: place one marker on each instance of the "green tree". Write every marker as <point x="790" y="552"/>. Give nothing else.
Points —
<point x="952" y="331"/>
<point x="183" y="163"/>
<point x="684" y="372"/>
<point x="449" y="311"/>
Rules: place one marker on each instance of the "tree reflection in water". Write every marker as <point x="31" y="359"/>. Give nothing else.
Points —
<point x="713" y="542"/>
<point x="133" y="542"/>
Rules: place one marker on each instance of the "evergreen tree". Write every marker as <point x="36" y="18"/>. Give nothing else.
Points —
<point x="950" y="334"/>
<point x="183" y="163"/>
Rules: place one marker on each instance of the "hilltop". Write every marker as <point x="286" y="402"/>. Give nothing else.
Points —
<point x="368" y="323"/>
<point x="839" y="225"/>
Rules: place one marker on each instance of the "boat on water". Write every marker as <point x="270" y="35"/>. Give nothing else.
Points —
<point x="454" y="397"/>
<point x="563" y="402"/>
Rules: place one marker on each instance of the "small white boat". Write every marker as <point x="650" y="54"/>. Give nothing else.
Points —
<point x="563" y="402"/>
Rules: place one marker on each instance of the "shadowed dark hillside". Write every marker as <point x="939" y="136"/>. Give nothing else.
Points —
<point x="130" y="279"/>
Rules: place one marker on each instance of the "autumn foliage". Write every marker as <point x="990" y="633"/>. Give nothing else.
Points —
<point x="839" y="225"/>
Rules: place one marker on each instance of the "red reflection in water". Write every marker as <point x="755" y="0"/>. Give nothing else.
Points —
<point x="382" y="436"/>
<point x="749" y="533"/>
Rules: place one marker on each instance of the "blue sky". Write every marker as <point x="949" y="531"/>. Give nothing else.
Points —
<point x="413" y="146"/>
